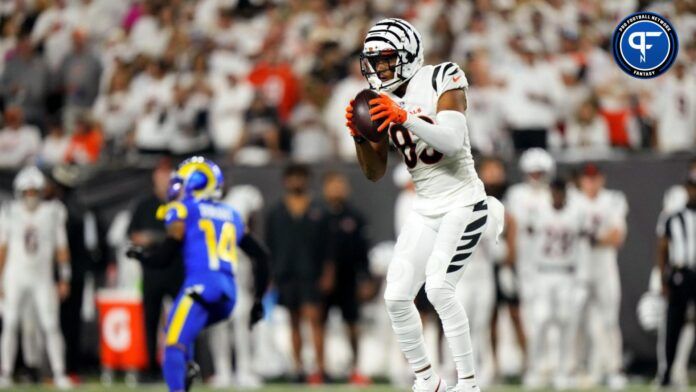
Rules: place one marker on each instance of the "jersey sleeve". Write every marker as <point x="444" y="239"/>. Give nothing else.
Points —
<point x="172" y="212"/>
<point x="448" y="76"/>
<point x="61" y="223"/>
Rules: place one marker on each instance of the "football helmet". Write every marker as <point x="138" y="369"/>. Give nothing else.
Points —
<point x="388" y="38"/>
<point x="651" y="310"/>
<point x="536" y="160"/>
<point x="197" y="177"/>
<point x="29" y="178"/>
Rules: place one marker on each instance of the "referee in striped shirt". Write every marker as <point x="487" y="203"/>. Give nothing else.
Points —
<point x="677" y="263"/>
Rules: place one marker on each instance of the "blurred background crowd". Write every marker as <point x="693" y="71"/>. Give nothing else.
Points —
<point x="91" y="81"/>
<point x="103" y="86"/>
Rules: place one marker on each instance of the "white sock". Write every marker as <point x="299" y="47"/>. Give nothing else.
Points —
<point x="456" y="327"/>
<point x="408" y="329"/>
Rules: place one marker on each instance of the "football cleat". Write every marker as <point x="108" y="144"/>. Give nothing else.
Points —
<point x="434" y="384"/>
<point x="192" y="371"/>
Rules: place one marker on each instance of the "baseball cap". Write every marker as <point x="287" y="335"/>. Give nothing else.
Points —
<point x="591" y="170"/>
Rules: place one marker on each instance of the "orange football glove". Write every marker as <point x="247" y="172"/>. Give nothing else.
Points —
<point x="384" y="107"/>
<point x="349" y="119"/>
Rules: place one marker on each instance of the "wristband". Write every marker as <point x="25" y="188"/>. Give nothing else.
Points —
<point x="359" y="139"/>
<point x="65" y="272"/>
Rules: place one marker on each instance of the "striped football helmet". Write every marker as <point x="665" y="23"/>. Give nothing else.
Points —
<point x="388" y="38"/>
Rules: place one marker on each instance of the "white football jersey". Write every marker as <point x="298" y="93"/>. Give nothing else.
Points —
<point x="32" y="237"/>
<point x="523" y="201"/>
<point x="560" y="238"/>
<point x="605" y="212"/>
<point x="441" y="182"/>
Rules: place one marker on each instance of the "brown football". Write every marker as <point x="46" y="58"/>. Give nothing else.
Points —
<point x="361" y="117"/>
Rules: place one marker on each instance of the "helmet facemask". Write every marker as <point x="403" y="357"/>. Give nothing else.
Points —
<point x="369" y="63"/>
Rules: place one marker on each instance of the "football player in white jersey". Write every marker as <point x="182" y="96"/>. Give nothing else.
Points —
<point x="29" y="245"/>
<point x="522" y="201"/>
<point x="606" y="213"/>
<point x="560" y="243"/>
<point x="422" y="109"/>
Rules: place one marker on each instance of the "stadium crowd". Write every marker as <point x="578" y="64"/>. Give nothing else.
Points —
<point x="88" y="81"/>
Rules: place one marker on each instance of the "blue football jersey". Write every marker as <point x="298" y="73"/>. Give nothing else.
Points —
<point x="213" y="231"/>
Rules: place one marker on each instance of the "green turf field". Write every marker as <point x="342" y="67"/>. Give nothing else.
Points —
<point x="284" y="388"/>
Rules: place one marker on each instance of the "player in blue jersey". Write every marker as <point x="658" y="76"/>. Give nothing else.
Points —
<point x="207" y="234"/>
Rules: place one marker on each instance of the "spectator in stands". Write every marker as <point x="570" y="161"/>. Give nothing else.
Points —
<point x="334" y="110"/>
<point x="675" y="111"/>
<point x="275" y="78"/>
<point x="79" y="76"/>
<point x="587" y="132"/>
<point x="55" y="145"/>
<point x="52" y="31"/>
<point x="113" y="112"/>
<point x="296" y="231"/>
<point x="25" y="81"/>
<point x="233" y="96"/>
<point x="349" y="268"/>
<point x="19" y="141"/>
<point x="310" y="142"/>
<point x="530" y="99"/>
<point x="484" y="111"/>
<point x="85" y="143"/>
<point x="146" y="230"/>
<point x="261" y="139"/>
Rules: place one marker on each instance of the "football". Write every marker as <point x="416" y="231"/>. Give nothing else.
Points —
<point x="361" y="117"/>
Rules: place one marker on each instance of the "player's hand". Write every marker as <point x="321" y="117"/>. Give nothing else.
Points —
<point x="385" y="108"/>
<point x="63" y="290"/>
<point x="349" y="119"/>
<point x="256" y="313"/>
<point x="135" y="252"/>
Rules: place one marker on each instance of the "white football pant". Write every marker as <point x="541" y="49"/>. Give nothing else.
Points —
<point x="434" y="250"/>
<point x="22" y="292"/>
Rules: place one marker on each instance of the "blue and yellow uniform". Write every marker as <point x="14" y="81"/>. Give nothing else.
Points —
<point x="207" y="234"/>
<point x="211" y="233"/>
<point x="210" y="254"/>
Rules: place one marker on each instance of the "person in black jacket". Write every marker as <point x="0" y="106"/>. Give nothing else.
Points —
<point x="296" y="236"/>
<point x="348" y="249"/>
<point x="146" y="230"/>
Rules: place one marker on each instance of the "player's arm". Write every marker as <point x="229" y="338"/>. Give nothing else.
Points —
<point x="510" y="240"/>
<point x="662" y="258"/>
<point x="260" y="266"/>
<point x="446" y="135"/>
<point x="614" y="238"/>
<point x="62" y="252"/>
<point x="371" y="156"/>
<point x="162" y="254"/>
<point x="664" y="234"/>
